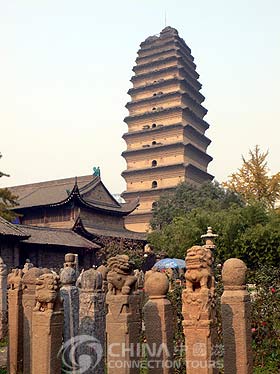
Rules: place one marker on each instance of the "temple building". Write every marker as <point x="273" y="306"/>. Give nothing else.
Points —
<point x="73" y="214"/>
<point x="166" y="142"/>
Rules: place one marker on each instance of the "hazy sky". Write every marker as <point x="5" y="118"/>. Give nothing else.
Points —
<point x="65" y="67"/>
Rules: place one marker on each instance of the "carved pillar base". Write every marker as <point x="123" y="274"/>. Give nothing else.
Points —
<point x="123" y="326"/>
<point x="199" y="332"/>
<point x="46" y="342"/>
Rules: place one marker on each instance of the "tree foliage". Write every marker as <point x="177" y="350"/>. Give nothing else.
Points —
<point x="250" y="232"/>
<point x="209" y="196"/>
<point x="252" y="180"/>
<point x="7" y="201"/>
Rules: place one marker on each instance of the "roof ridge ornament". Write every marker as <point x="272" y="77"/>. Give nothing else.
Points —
<point x="96" y="171"/>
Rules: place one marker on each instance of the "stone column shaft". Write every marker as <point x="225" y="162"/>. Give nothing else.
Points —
<point x="3" y="300"/>
<point x="236" y="319"/>
<point x="159" y="324"/>
<point x="123" y="326"/>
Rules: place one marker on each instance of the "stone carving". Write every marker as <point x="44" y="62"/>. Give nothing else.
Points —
<point x="15" y="279"/>
<point x="15" y="317"/>
<point x="46" y="292"/>
<point x="91" y="280"/>
<point x="47" y="326"/>
<point x="199" y="308"/>
<point x="68" y="276"/>
<point x="121" y="280"/>
<point x="27" y="266"/>
<point x="104" y="271"/>
<point x="92" y="318"/>
<point x="123" y="322"/>
<point x="199" y="273"/>
<point x="159" y="323"/>
<point x="236" y="319"/>
<point x="156" y="284"/>
<point x="28" y="301"/>
<point x="70" y="260"/>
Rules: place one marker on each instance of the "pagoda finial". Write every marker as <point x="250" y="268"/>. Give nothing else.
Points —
<point x="209" y="238"/>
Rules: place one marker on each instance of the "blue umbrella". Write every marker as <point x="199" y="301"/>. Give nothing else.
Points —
<point x="167" y="263"/>
<point x="181" y="263"/>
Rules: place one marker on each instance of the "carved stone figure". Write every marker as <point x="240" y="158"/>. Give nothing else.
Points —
<point x="27" y="266"/>
<point x="15" y="279"/>
<point x="120" y="276"/>
<point x="199" y="308"/>
<point x="46" y="292"/>
<point x="199" y="262"/>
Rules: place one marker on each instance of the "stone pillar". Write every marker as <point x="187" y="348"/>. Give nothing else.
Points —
<point x="15" y="317"/>
<point x="104" y="271"/>
<point x="28" y="302"/>
<point x="69" y="294"/>
<point x="199" y="312"/>
<point x="123" y="322"/>
<point x="3" y="300"/>
<point x="47" y="326"/>
<point x="236" y="319"/>
<point x="92" y="321"/>
<point x="159" y="324"/>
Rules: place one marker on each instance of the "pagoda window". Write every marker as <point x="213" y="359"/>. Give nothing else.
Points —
<point x="154" y="142"/>
<point x="154" y="125"/>
<point x="154" y="163"/>
<point x="154" y="108"/>
<point x="154" y="204"/>
<point x="155" y="94"/>
<point x="154" y="184"/>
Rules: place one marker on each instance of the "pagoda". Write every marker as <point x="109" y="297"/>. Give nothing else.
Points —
<point x="166" y="142"/>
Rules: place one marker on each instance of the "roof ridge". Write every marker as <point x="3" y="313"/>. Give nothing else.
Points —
<point x="54" y="182"/>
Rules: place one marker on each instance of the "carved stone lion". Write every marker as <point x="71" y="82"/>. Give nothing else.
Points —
<point x="199" y="273"/>
<point x="47" y="286"/>
<point x="120" y="276"/>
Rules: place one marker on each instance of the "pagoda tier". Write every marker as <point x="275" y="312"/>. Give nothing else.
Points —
<point x="166" y="142"/>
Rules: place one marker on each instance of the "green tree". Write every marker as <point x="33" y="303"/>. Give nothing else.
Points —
<point x="209" y="196"/>
<point x="253" y="181"/>
<point x="7" y="201"/>
<point x="250" y="232"/>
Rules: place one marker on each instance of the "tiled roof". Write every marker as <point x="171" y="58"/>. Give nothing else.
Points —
<point x="57" y="192"/>
<point x="122" y="233"/>
<point x="45" y="193"/>
<point x="59" y="237"/>
<point x="8" y="229"/>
